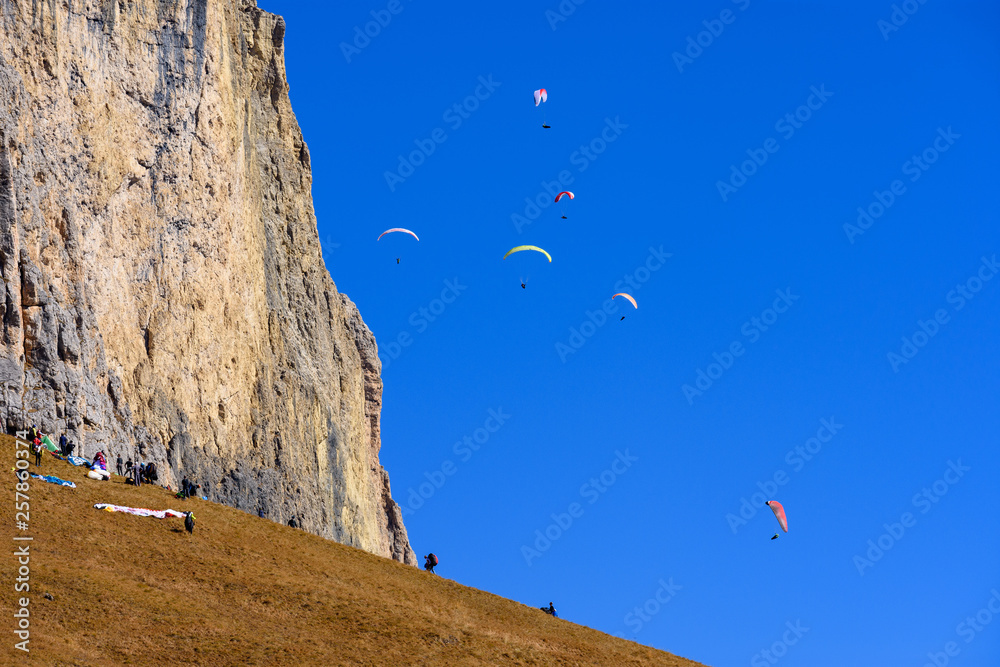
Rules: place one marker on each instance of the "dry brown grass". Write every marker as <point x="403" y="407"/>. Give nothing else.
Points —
<point x="243" y="590"/>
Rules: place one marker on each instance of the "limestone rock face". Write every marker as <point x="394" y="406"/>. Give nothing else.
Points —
<point x="164" y="289"/>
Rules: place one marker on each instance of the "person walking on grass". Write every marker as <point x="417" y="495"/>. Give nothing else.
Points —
<point x="37" y="448"/>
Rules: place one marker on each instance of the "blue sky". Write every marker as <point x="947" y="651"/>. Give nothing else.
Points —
<point x="899" y="119"/>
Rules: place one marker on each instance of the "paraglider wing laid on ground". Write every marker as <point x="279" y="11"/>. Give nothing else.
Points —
<point x="139" y="511"/>
<point x="567" y="193"/>
<point x="779" y="513"/>
<point x="627" y="296"/>
<point x="541" y="95"/>
<point x="396" y="229"/>
<point x="522" y="248"/>
<point x="54" y="480"/>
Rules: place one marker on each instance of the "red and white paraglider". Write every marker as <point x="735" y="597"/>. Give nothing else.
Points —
<point x="565" y="193"/>
<point x="779" y="514"/>
<point x="542" y="95"/>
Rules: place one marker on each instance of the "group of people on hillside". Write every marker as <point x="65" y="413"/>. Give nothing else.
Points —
<point x="35" y="438"/>
<point x="135" y="472"/>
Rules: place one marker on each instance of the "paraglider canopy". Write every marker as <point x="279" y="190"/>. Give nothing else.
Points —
<point x="779" y="514"/>
<point x="396" y="229"/>
<point x="522" y="248"/>
<point x="627" y="296"/>
<point x="566" y="193"/>
<point x="541" y="95"/>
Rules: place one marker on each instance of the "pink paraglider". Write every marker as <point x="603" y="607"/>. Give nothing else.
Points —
<point x="779" y="514"/>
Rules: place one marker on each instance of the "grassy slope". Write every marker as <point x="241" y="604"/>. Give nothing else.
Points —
<point x="244" y="590"/>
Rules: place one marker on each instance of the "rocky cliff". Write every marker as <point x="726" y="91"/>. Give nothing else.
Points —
<point x="164" y="289"/>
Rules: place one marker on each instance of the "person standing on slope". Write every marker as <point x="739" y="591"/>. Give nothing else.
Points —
<point x="430" y="562"/>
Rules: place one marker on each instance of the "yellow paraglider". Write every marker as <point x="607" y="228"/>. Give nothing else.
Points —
<point x="526" y="247"/>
